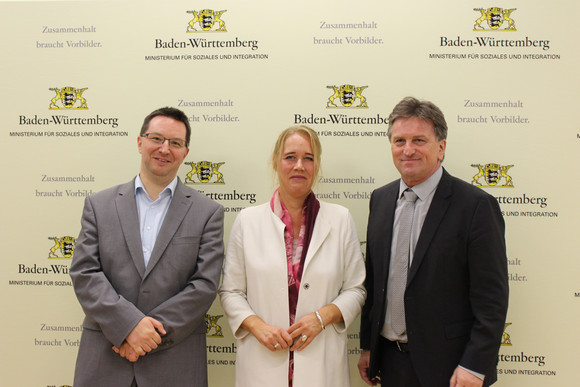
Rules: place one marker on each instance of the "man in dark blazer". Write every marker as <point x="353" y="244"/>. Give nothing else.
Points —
<point x="146" y="268"/>
<point x="456" y="295"/>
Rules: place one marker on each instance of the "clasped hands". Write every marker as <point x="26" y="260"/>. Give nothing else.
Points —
<point x="297" y="337"/>
<point x="144" y="338"/>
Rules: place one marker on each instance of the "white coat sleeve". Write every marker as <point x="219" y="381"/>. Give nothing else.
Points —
<point x="233" y="290"/>
<point x="352" y="295"/>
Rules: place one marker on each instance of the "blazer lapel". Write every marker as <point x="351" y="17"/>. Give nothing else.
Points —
<point x="385" y="227"/>
<point x="439" y="205"/>
<point x="180" y="204"/>
<point x="319" y="234"/>
<point x="129" y="219"/>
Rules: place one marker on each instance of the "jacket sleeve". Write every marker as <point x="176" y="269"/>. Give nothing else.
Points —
<point x="365" y="322"/>
<point x="233" y="291"/>
<point x="185" y="311"/>
<point x="352" y="294"/>
<point x="115" y="315"/>
<point x="487" y="265"/>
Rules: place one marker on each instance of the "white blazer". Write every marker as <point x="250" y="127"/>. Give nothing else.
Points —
<point x="255" y="282"/>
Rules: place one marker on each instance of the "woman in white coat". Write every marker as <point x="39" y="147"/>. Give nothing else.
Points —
<point x="293" y="278"/>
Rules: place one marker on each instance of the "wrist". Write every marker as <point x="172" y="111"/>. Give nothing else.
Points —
<point x="251" y="323"/>
<point x="320" y="320"/>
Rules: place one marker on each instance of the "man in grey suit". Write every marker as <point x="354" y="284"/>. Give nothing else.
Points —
<point x="146" y="268"/>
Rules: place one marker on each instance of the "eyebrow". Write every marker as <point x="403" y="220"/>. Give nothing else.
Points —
<point x="419" y="136"/>
<point x="292" y="153"/>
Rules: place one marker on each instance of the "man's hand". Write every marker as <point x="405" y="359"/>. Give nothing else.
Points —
<point x="127" y="352"/>
<point x="363" y="368"/>
<point x="146" y="335"/>
<point x="463" y="378"/>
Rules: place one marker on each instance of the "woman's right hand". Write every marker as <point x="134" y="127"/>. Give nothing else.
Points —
<point x="271" y="337"/>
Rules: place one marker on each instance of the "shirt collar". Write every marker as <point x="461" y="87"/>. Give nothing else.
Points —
<point x="168" y="190"/>
<point x="424" y="189"/>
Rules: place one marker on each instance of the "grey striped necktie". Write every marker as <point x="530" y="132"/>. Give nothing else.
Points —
<point x="401" y="262"/>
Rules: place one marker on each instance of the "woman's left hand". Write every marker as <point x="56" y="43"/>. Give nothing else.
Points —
<point x="304" y="331"/>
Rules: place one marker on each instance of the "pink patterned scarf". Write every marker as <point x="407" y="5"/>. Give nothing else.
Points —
<point x="295" y="266"/>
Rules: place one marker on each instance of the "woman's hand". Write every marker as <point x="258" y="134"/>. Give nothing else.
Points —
<point x="304" y="331"/>
<point x="270" y="336"/>
<point x="308" y="327"/>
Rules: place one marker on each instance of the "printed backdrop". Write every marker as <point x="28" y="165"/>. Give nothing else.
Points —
<point x="78" y="77"/>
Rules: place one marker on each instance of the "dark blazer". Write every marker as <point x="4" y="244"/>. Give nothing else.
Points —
<point x="457" y="288"/>
<point x="116" y="291"/>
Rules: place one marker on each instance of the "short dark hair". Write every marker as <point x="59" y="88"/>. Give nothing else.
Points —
<point x="425" y="110"/>
<point x="170" y="112"/>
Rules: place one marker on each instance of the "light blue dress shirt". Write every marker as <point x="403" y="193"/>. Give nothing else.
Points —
<point x="151" y="214"/>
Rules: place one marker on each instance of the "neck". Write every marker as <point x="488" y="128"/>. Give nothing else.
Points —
<point x="154" y="186"/>
<point x="294" y="207"/>
<point x="292" y="204"/>
<point x="412" y="183"/>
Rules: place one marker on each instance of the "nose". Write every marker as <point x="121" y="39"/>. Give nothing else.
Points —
<point x="299" y="164"/>
<point x="164" y="147"/>
<point x="408" y="149"/>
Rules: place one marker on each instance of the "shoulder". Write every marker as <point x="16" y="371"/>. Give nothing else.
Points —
<point x="335" y="214"/>
<point x="198" y="198"/>
<point x="466" y="197"/>
<point x="333" y="209"/>
<point x="257" y="218"/>
<point x="393" y="186"/>
<point x="385" y="196"/>
<point x="258" y="211"/>
<point x="112" y="192"/>
<point x="465" y="190"/>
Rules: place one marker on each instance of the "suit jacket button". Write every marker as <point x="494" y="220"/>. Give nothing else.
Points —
<point x="306" y="286"/>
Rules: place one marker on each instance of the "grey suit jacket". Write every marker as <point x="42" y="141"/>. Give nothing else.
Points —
<point x="116" y="290"/>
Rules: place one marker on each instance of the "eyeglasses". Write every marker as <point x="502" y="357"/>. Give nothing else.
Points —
<point x="175" y="143"/>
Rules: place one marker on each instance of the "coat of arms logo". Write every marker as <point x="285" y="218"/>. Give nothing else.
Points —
<point x="68" y="98"/>
<point x="204" y="172"/>
<point x="492" y="174"/>
<point x="505" y="338"/>
<point x="346" y="95"/>
<point x="63" y="247"/>
<point x="495" y="18"/>
<point x="205" y="20"/>
<point x="211" y="324"/>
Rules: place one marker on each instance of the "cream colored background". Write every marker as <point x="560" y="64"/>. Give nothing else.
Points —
<point x="266" y="95"/>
